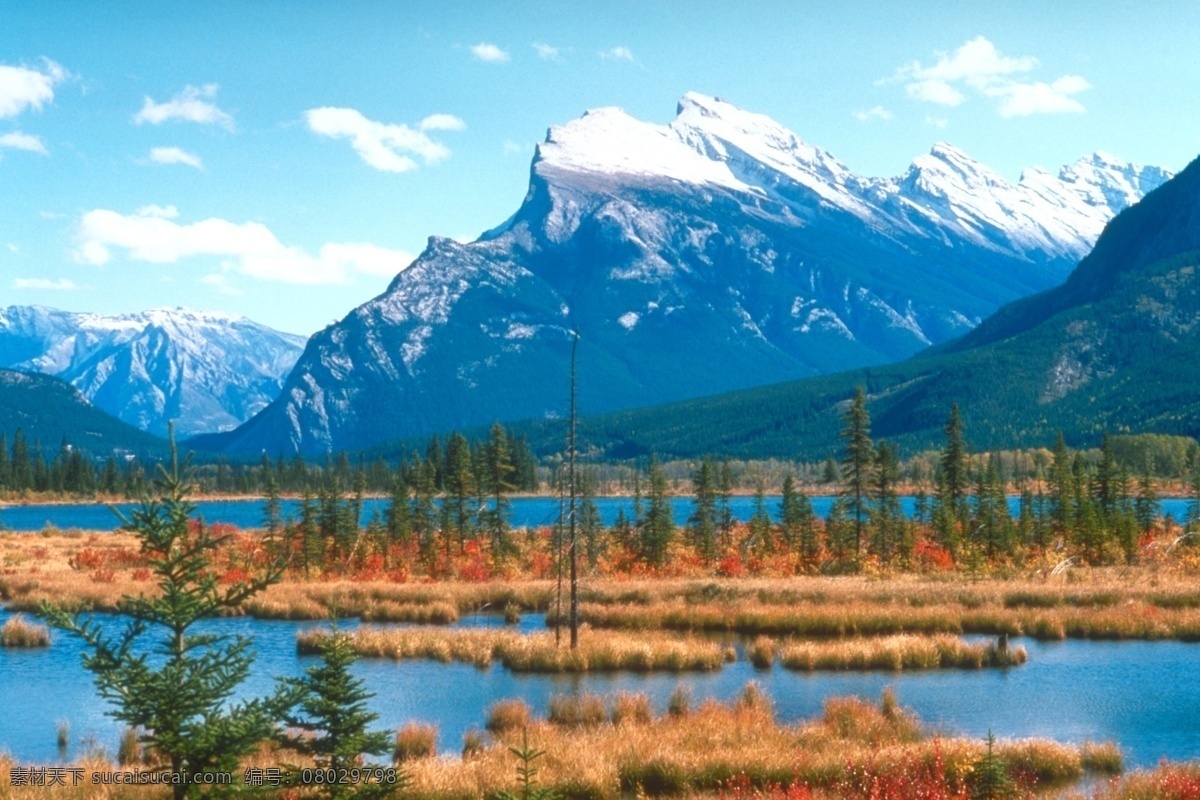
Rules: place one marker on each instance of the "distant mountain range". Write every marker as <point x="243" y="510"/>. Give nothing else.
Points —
<point x="207" y="371"/>
<point x="48" y="410"/>
<point x="1115" y="348"/>
<point x="714" y="253"/>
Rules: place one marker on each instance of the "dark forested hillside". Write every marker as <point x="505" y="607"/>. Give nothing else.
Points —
<point x="47" y="410"/>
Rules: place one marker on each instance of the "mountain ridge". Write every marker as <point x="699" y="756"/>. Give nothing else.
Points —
<point x="717" y="252"/>
<point x="206" y="370"/>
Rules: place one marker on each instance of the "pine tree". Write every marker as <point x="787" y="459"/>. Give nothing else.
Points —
<point x="1062" y="486"/>
<point x="180" y="700"/>
<point x="331" y="720"/>
<point x="703" y="522"/>
<point x="887" y="517"/>
<point x="460" y="487"/>
<point x="955" y="473"/>
<point x="724" y="506"/>
<point x="760" y="520"/>
<point x="989" y="780"/>
<point x="498" y="471"/>
<point x="659" y="527"/>
<point x="796" y="519"/>
<point x="858" y="462"/>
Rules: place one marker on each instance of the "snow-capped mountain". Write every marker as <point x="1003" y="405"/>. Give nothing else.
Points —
<point x="207" y="371"/>
<point x="713" y="253"/>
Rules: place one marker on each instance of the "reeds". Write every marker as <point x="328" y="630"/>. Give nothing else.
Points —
<point x="415" y="740"/>
<point x="716" y="746"/>
<point x="576" y="710"/>
<point x="63" y="734"/>
<point x="630" y="708"/>
<point x="598" y="651"/>
<point x="762" y="652"/>
<point x="898" y="653"/>
<point x="506" y="716"/>
<point x="18" y="632"/>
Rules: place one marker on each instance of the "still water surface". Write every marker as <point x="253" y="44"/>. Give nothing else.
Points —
<point x="1143" y="695"/>
<point x="526" y="511"/>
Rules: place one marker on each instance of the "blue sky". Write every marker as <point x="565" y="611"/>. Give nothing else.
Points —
<point x="283" y="159"/>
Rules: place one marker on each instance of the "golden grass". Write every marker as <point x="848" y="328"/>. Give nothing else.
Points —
<point x="698" y="753"/>
<point x="598" y="650"/>
<point x="505" y="716"/>
<point x="898" y="653"/>
<point x="415" y="740"/>
<point x="20" y="632"/>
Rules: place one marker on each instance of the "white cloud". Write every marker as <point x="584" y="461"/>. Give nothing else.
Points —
<point x="45" y="284"/>
<point x="193" y="104"/>
<point x="878" y="112"/>
<point x="546" y="51"/>
<point x="24" y="87"/>
<point x="442" y="122"/>
<point x="23" y="141"/>
<point x="153" y="236"/>
<point x="939" y="92"/>
<point x="489" y="53"/>
<point x="618" y="53"/>
<point x="514" y="148"/>
<point x="977" y="65"/>
<point x="174" y="155"/>
<point x="1024" y="99"/>
<point x="383" y="146"/>
<point x="937" y="122"/>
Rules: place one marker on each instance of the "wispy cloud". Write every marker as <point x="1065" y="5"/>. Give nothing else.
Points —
<point x="978" y="66"/>
<point x="442" y="122"/>
<point x="193" y="104"/>
<point x="490" y="53"/>
<point x="23" y="88"/>
<point x="878" y="112"/>
<point x="936" y="122"/>
<point x="152" y="235"/>
<point x="23" y="141"/>
<point x="175" y="155"/>
<point x="384" y="146"/>
<point x="618" y="53"/>
<point x="547" y="52"/>
<point x="45" y="284"/>
<point x="512" y="148"/>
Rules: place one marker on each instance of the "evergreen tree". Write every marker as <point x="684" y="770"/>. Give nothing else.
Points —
<point x="702" y="524"/>
<point x="724" y="505"/>
<point x="858" y="461"/>
<point x="331" y="720"/>
<point x="887" y="517"/>
<point x="796" y="519"/>
<point x="1106" y="487"/>
<point x="591" y="527"/>
<point x="398" y="516"/>
<point x="460" y="487"/>
<point x="659" y="527"/>
<point x="22" y="472"/>
<point x="830" y="474"/>
<point x="760" y="520"/>
<point x="989" y="780"/>
<point x="180" y="700"/>
<point x="1061" y="486"/>
<point x="272" y="512"/>
<point x="955" y="472"/>
<point x="498" y="471"/>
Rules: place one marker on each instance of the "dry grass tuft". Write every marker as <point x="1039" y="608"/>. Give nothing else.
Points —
<point x="20" y="632"/>
<point x="415" y="740"/>
<point x="898" y="653"/>
<point x="506" y="716"/>
<point x="576" y="710"/>
<point x="628" y="707"/>
<point x="599" y="651"/>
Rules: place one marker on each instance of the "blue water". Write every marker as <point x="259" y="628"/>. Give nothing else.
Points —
<point x="1143" y="695"/>
<point x="526" y="511"/>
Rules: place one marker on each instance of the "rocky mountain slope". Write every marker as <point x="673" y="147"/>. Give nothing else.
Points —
<point x="207" y="371"/>
<point x="717" y="252"/>
<point x="1114" y="348"/>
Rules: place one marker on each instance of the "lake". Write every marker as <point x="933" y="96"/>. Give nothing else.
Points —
<point x="526" y="511"/>
<point x="1143" y="695"/>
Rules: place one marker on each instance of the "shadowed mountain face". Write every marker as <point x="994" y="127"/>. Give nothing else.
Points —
<point x="714" y="253"/>
<point x="1115" y="348"/>
<point x="47" y="411"/>
<point x="207" y="371"/>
